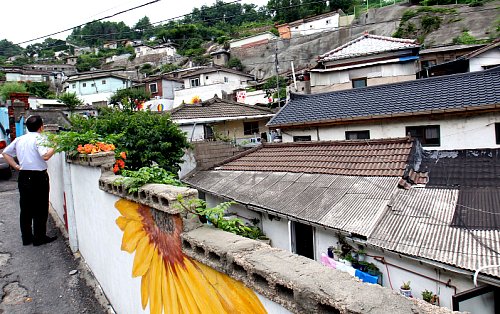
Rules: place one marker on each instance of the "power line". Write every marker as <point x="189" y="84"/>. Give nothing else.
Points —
<point x="100" y="19"/>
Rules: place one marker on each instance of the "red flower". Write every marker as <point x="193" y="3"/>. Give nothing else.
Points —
<point x="120" y="163"/>
<point x="123" y="155"/>
<point x="116" y="169"/>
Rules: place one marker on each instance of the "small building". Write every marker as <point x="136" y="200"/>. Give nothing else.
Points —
<point x="250" y="41"/>
<point x="220" y="57"/>
<point x="458" y="111"/>
<point x="96" y="87"/>
<point x="482" y="58"/>
<point x="310" y="25"/>
<point x="204" y="83"/>
<point x="162" y="89"/>
<point x="366" y="61"/>
<point x="409" y="212"/>
<point x="110" y="45"/>
<point x="218" y="119"/>
<point x="437" y="55"/>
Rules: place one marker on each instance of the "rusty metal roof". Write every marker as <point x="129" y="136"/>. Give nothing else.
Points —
<point x="386" y="157"/>
<point x="418" y="224"/>
<point x="347" y="203"/>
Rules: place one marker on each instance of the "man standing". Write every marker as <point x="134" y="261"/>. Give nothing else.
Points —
<point x="33" y="181"/>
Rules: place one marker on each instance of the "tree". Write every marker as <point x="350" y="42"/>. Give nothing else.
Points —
<point x="88" y="61"/>
<point x="235" y="63"/>
<point x="130" y="98"/>
<point x="70" y="100"/>
<point x="11" y="87"/>
<point x="39" y="89"/>
<point x="8" y="49"/>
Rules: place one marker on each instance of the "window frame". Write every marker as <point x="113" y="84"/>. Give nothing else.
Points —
<point x="196" y="80"/>
<point x="302" y="138"/>
<point x="497" y="133"/>
<point x="422" y="130"/>
<point x="249" y="127"/>
<point x="155" y="88"/>
<point x="361" y="79"/>
<point x="84" y="84"/>
<point x="357" y="133"/>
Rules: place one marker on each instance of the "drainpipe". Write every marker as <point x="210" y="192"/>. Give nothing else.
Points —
<point x="481" y="268"/>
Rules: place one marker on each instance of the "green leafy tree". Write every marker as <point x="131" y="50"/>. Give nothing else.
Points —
<point x="70" y="100"/>
<point x="88" y="61"/>
<point x="39" y="89"/>
<point x="148" y="138"/>
<point x="11" y="87"/>
<point x="9" y="49"/>
<point x="270" y="87"/>
<point x="169" y="67"/>
<point x="235" y="63"/>
<point x="129" y="98"/>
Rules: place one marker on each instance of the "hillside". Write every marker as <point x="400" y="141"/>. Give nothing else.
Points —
<point x="481" y="22"/>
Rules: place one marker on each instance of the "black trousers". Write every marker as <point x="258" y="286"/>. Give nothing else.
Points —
<point x="34" y="201"/>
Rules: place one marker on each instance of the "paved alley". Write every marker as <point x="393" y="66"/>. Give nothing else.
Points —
<point x="43" y="279"/>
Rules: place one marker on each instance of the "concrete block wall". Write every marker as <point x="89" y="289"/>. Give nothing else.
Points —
<point x="208" y="154"/>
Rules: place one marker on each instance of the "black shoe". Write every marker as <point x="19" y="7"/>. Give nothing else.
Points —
<point x="27" y="242"/>
<point x="44" y="241"/>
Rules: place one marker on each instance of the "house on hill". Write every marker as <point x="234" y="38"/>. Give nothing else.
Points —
<point x="387" y="200"/>
<point x="216" y="119"/>
<point x="310" y="25"/>
<point x="250" y="41"/>
<point x="203" y="83"/>
<point x="96" y="87"/>
<point x="483" y="58"/>
<point x="162" y="89"/>
<point x="365" y="61"/>
<point x="447" y="112"/>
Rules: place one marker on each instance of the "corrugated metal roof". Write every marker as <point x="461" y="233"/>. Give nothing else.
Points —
<point x="419" y="224"/>
<point x="386" y="157"/>
<point x="348" y="203"/>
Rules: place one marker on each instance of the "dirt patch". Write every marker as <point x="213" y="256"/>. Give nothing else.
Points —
<point x="15" y="294"/>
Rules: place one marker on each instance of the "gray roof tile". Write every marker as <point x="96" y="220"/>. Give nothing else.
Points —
<point x="455" y="92"/>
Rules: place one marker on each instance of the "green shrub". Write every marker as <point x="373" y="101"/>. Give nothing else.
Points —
<point x="148" y="138"/>
<point x="11" y="87"/>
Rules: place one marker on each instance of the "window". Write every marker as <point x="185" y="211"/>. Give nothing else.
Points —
<point x="92" y="84"/>
<point x="153" y="88"/>
<point x="218" y="56"/>
<point x="84" y="84"/>
<point x="206" y="77"/>
<point x="103" y="82"/>
<point x="357" y="83"/>
<point x="327" y="21"/>
<point x="250" y="128"/>
<point x="195" y="82"/>
<point x="497" y="132"/>
<point x="302" y="138"/>
<point x="226" y="80"/>
<point x="357" y="135"/>
<point x="73" y="85"/>
<point x="428" y="135"/>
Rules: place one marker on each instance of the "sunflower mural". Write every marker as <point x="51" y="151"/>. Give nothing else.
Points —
<point x="172" y="282"/>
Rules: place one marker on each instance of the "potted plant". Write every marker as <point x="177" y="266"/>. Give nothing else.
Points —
<point x="429" y="296"/>
<point x="348" y="260"/>
<point x="405" y="289"/>
<point x="361" y="255"/>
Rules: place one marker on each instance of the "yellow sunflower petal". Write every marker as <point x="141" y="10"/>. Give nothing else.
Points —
<point x="173" y="300"/>
<point x="155" y="284"/>
<point x="145" y="290"/>
<point x="164" y="287"/>
<point x="142" y="258"/>
<point x="134" y="231"/>
<point x="122" y="222"/>
<point x="187" y="299"/>
<point x="128" y="209"/>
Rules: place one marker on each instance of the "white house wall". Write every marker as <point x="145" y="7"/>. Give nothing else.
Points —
<point x="320" y="25"/>
<point x="249" y="40"/>
<point x="488" y="58"/>
<point x="277" y="231"/>
<point x="193" y="134"/>
<point x="204" y="92"/>
<point x="456" y="133"/>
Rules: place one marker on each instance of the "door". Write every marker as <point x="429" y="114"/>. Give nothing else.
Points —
<point x="303" y="239"/>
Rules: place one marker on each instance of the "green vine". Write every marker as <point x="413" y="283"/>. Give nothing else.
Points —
<point x="132" y="180"/>
<point x="215" y="215"/>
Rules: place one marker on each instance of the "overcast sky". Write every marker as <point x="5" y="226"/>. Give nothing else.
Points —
<point x="23" y="20"/>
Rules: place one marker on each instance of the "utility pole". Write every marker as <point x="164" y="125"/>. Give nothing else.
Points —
<point x="277" y="76"/>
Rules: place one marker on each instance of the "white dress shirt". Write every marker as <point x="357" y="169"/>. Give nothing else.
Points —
<point x="29" y="151"/>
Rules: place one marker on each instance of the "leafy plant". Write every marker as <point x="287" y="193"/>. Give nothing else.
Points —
<point x="148" y="138"/>
<point x="427" y="295"/>
<point x="11" y="87"/>
<point x="215" y="215"/>
<point x="68" y="141"/>
<point x="133" y="180"/>
<point x="70" y="100"/>
<point x="406" y="285"/>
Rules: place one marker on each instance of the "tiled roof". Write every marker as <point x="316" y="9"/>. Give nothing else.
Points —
<point x="418" y="224"/>
<point x="476" y="174"/>
<point x="431" y="95"/>
<point x="367" y="45"/>
<point x="355" y="158"/>
<point x="217" y="108"/>
<point x="348" y="203"/>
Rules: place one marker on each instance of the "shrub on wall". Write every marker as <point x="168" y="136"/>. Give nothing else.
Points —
<point x="148" y="138"/>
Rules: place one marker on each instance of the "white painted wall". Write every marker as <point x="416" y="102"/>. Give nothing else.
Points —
<point x="193" y="134"/>
<point x="56" y="196"/>
<point x="204" y="92"/>
<point x="488" y="58"/>
<point x="319" y="25"/>
<point x="277" y="231"/>
<point x="457" y="133"/>
<point x="252" y="39"/>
